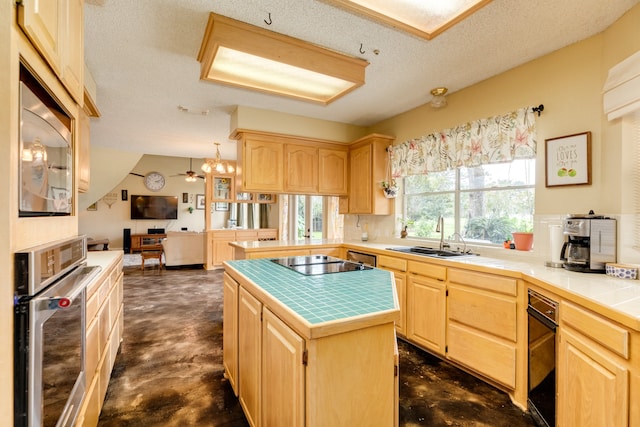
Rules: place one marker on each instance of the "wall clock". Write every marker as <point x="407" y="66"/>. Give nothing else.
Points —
<point x="154" y="181"/>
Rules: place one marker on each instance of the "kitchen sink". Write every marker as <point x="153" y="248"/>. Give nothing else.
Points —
<point x="432" y="252"/>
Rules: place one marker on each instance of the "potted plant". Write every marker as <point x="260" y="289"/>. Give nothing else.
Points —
<point x="523" y="240"/>
<point x="390" y="188"/>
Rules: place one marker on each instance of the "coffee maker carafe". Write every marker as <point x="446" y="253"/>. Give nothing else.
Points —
<point x="590" y="244"/>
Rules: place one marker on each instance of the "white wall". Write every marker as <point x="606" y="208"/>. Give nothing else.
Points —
<point x="109" y="222"/>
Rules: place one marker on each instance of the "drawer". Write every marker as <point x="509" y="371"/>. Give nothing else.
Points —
<point x="488" y="312"/>
<point x="429" y="270"/>
<point x="93" y="304"/>
<point x="599" y="329"/>
<point x="392" y="263"/>
<point x="490" y="282"/>
<point x="484" y="354"/>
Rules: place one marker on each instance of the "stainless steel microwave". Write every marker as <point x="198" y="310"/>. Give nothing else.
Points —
<point x="46" y="154"/>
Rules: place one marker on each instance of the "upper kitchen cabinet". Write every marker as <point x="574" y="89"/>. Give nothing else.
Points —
<point x="333" y="171"/>
<point x="56" y="29"/>
<point x="276" y="163"/>
<point x="368" y="168"/>
<point x="301" y="168"/>
<point x="262" y="166"/>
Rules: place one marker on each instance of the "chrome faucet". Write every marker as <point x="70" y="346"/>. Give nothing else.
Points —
<point x="440" y="229"/>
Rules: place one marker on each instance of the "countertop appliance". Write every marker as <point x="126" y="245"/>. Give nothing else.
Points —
<point x="590" y="244"/>
<point x="49" y="332"/>
<point x="319" y="264"/>
<point x="543" y="321"/>
<point x="362" y="258"/>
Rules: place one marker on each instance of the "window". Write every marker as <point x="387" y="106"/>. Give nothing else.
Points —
<point x="313" y="216"/>
<point x="482" y="204"/>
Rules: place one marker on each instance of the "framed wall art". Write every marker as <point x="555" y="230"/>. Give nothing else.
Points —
<point x="199" y="201"/>
<point x="222" y="206"/>
<point x="568" y="160"/>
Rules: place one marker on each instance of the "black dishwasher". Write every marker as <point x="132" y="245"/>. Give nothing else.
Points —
<point x="543" y="321"/>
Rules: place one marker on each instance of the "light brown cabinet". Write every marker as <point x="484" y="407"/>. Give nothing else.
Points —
<point x="426" y="305"/>
<point x="104" y="315"/>
<point x="333" y="171"/>
<point x="368" y="168"/>
<point x="594" y="371"/>
<point x="283" y="374"/>
<point x="56" y="29"/>
<point x="218" y="241"/>
<point x="83" y="143"/>
<point x="276" y="163"/>
<point x="399" y="268"/>
<point x="301" y="169"/>
<point x="230" y="331"/>
<point x="481" y="324"/>
<point x="261" y="165"/>
<point x="250" y="356"/>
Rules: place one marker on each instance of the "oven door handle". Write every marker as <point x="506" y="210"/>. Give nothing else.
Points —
<point x="542" y="318"/>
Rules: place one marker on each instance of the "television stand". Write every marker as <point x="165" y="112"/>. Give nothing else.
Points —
<point x="137" y="240"/>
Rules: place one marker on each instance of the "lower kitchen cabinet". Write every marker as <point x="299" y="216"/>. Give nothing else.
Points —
<point x="399" y="268"/>
<point x="104" y="331"/>
<point x="426" y="306"/>
<point x="481" y="324"/>
<point x="249" y="355"/>
<point x="230" y="331"/>
<point x="596" y="377"/>
<point x="282" y="374"/>
<point x="219" y="250"/>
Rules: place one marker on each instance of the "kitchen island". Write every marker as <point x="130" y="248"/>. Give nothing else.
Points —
<point x="311" y="350"/>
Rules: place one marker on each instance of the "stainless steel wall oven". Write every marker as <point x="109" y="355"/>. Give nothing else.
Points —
<point x="49" y="332"/>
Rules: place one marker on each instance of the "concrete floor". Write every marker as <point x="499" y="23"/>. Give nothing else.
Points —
<point x="169" y="368"/>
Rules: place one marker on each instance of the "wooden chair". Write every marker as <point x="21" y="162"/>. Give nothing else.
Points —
<point x="151" y="248"/>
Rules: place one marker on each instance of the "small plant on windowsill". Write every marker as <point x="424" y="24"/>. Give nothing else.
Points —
<point x="390" y="188"/>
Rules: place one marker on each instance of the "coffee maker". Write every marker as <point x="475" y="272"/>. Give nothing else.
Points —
<point x="590" y="244"/>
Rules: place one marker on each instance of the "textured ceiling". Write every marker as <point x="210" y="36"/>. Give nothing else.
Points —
<point x="142" y="55"/>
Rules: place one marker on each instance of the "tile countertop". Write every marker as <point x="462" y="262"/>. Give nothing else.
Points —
<point x="319" y="303"/>
<point x="618" y="299"/>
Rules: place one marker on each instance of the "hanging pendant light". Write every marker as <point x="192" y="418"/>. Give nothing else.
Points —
<point x="217" y="165"/>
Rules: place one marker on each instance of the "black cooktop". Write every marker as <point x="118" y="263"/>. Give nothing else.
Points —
<point x="319" y="264"/>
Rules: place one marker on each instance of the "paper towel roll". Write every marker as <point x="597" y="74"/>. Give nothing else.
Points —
<point x="556" y="240"/>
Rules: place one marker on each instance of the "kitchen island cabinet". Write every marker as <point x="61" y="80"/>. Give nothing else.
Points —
<point x="325" y="347"/>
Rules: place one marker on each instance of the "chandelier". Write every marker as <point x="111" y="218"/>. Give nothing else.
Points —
<point x="217" y="164"/>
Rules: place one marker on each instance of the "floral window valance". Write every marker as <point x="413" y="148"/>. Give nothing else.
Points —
<point x="496" y="139"/>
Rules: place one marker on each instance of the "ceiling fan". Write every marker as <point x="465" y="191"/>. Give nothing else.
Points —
<point x="190" y="175"/>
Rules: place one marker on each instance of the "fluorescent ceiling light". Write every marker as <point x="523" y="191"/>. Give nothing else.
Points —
<point x="240" y="54"/>
<point x="424" y="18"/>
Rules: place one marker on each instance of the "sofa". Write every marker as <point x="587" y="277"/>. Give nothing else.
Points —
<point x="184" y="248"/>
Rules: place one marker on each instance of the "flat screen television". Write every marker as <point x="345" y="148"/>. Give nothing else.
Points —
<point x="154" y="207"/>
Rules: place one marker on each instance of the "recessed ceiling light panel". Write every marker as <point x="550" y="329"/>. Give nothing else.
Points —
<point x="424" y="18"/>
<point x="240" y="54"/>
